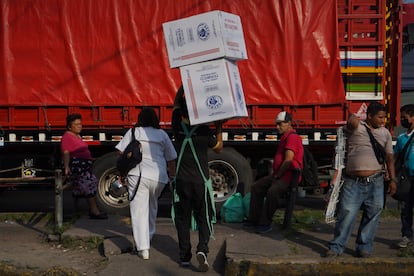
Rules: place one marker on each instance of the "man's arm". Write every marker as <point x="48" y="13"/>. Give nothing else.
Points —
<point x="392" y="188"/>
<point x="353" y="122"/>
<point x="286" y="164"/>
<point x="219" y="136"/>
<point x="171" y="168"/>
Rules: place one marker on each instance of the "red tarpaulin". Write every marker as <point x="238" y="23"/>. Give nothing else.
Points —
<point x="112" y="53"/>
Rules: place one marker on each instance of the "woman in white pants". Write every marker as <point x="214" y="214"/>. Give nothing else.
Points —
<point x="147" y="180"/>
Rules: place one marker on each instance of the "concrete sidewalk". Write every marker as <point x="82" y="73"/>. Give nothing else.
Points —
<point x="239" y="252"/>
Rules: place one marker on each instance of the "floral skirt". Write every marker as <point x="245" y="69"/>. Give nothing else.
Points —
<point x="84" y="182"/>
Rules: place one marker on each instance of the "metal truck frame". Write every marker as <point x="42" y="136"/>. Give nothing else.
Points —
<point x="55" y="61"/>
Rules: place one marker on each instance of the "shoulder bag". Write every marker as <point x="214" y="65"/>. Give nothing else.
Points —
<point x="380" y="155"/>
<point x="404" y="183"/>
<point x="129" y="159"/>
<point x="378" y="148"/>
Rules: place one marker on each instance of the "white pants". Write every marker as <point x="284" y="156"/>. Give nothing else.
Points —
<point x="144" y="208"/>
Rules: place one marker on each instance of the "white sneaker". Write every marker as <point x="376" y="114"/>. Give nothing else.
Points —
<point x="144" y="254"/>
<point x="202" y="262"/>
<point x="404" y="242"/>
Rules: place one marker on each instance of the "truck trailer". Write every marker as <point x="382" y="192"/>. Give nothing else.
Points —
<point x="319" y="60"/>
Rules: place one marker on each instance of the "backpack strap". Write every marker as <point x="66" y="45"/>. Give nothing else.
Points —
<point x="186" y="140"/>
<point x="377" y="147"/>
<point x="180" y="156"/>
<point x="404" y="151"/>
<point x="190" y="142"/>
<point x="208" y="191"/>
<point x="133" y="133"/>
<point x="131" y="197"/>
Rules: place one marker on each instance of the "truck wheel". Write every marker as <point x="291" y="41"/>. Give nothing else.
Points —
<point x="110" y="197"/>
<point x="230" y="172"/>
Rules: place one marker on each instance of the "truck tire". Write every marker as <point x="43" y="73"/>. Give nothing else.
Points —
<point x="230" y="172"/>
<point x="110" y="196"/>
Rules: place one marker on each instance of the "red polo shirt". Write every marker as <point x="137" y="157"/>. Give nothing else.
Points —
<point x="292" y="141"/>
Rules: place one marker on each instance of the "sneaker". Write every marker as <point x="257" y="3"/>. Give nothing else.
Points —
<point x="185" y="264"/>
<point x="363" y="254"/>
<point x="330" y="254"/>
<point x="263" y="229"/>
<point x="144" y="254"/>
<point x="202" y="261"/>
<point x="249" y="225"/>
<point x="404" y="242"/>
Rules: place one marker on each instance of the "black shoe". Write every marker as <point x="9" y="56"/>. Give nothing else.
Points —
<point x="363" y="254"/>
<point x="185" y="263"/>
<point x="249" y="225"/>
<point x="330" y="254"/>
<point x="101" y="215"/>
<point x="263" y="229"/>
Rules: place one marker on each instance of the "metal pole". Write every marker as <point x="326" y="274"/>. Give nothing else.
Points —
<point x="58" y="198"/>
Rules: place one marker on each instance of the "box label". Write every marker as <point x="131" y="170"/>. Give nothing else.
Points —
<point x="213" y="91"/>
<point x="204" y="37"/>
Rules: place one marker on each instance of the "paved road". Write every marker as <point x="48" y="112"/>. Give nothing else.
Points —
<point x="164" y="258"/>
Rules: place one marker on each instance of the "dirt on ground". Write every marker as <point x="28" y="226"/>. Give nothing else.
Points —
<point x="29" y="247"/>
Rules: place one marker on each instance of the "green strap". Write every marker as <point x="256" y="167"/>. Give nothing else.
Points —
<point x="207" y="181"/>
<point x="188" y="137"/>
<point x="405" y="149"/>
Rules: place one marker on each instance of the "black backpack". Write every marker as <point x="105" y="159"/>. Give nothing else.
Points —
<point x="310" y="170"/>
<point x="130" y="157"/>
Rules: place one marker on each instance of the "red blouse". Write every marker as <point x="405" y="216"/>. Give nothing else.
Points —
<point x="75" y="146"/>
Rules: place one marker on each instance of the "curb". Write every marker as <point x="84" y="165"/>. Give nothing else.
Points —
<point x="274" y="253"/>
<point x="371" y="266"/>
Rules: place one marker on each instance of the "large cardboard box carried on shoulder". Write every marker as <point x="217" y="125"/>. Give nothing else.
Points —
<point x="204" y="37"/>
<point x="213" y="91"/>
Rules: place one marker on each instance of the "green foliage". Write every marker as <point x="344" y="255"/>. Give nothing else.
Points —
<point x="407" y="252"/>
<point x="89" y="243"/>
<point x="390" y="213"/>
<point x="307" y="218"/>
<point x="301" y="219"/>
<point x="44" y="219"/>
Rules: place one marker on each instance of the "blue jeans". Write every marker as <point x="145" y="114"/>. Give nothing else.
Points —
<point x="357" y="194"/>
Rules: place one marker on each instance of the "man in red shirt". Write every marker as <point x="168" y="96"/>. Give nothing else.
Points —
<point x="266" y="192"/>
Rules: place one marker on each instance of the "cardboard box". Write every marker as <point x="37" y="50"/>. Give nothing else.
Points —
<point x="213" y="91"/>
<point x="204" y="37"/>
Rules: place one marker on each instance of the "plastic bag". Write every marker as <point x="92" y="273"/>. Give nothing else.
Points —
<point x="233" y="209"/>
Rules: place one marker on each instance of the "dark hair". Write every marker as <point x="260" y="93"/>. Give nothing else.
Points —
<point x="374" y="108"/>
<point x="72" y="117"/>
<point x="148" y="118"/>
<point x="408" y="109"/>
<point x="180" y="102"/>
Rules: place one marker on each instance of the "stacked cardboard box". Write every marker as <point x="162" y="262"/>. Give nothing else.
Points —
<point x="206" y="47"/>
